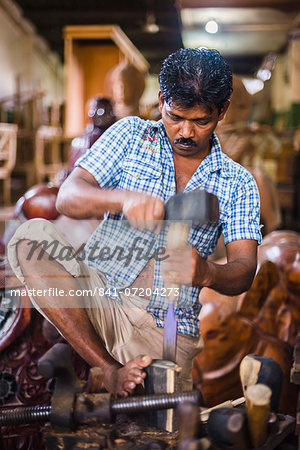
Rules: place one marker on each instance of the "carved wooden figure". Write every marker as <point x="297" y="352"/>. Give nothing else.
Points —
<point x="100" y="117"/>
<point x="263" y="321"/>
<point x="126" y="85"/>
<point x="241" y="143"/>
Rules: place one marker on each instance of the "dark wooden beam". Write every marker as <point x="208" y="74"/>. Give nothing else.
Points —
<point x="246" y="65"/>
<point x="283" y="5"/>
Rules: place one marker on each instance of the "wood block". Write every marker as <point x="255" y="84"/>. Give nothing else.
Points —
<point x="162" y="377"/>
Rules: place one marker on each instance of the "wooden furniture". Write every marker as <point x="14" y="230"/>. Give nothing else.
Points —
<point x="41" y="154"/>
<point x="23" y="108"/>
<point x="27" y="111"/>
<point x="90" y="53"/>
<point x="51" y="152"/>
<point x="8" y="146"/>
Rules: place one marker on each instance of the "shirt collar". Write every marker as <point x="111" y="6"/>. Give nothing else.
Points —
<point x="214" y="159"/>
<point x="156" y="127"/>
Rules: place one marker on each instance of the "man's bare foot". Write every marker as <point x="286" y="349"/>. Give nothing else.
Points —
<point x="122" y="381"/>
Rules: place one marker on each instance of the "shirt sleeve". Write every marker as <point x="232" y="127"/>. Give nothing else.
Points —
<point x="243" y="217"/>
<point x="104" y="160"/>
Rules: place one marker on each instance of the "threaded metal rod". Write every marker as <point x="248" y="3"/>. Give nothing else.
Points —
<point x="150" y="402"/>
<point x="40" y="414"/>
<point x="31" y="414"/>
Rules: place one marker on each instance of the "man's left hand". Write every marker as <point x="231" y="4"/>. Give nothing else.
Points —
<point x="184" y="266"/>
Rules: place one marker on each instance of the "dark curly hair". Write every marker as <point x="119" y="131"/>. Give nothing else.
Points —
<point x="190" y="77"/>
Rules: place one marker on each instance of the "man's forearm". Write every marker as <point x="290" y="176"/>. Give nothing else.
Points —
<point x="232" y="278"/>
<point x="81" y="200"/>
<point x="80" y="197"/>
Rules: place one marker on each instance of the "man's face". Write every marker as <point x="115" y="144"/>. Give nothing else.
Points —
<point x="189" y="130"/>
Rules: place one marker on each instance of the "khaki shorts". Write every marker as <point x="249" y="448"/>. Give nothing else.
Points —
<point x="126" y="328"/>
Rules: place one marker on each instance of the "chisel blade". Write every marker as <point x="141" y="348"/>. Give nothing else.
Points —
<point x="170" y="335"/>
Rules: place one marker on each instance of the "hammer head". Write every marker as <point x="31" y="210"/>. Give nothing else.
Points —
<point x="197" y="206"/>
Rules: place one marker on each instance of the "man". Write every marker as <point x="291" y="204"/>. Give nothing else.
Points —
<point x="131" y="171"/>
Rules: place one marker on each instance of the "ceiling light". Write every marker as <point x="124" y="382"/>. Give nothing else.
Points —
<point x="151" y="25"/>
<point x="264" y="74"/>
<point x="253" y="85"/>
<point x="211" y="27"/>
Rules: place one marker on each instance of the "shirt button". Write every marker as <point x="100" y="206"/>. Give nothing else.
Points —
<point x="137" y="175"/>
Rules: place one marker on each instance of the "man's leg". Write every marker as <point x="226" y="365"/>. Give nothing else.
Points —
<point x="148" y="338"/>
<point x="71" y="319"/>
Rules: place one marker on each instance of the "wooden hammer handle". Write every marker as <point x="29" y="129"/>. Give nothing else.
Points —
<point x="258" y="398"/>
<point x="177" y="239"/>
<point x="178" y="234"/>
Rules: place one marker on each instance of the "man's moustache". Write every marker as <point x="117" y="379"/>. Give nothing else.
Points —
<point x="183" y="141"/>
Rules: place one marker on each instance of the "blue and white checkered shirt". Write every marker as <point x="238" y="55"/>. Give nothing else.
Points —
<point x="135" y="155"/>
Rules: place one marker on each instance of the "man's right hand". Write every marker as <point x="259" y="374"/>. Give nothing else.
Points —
<point x="123" y="380"/>
<point x="143" y="211"/>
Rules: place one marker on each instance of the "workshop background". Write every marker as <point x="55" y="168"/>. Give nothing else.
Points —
<point x="69" y="69"/>
<point x="52" y="50"/>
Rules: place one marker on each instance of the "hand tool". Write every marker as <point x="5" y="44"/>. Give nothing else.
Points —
<point x="205" y="412"/>
<point x="183" y="211"/>
<point x="258" y="398"/>
<point x="162" y="377"/>
<point x="189" y="426"/>
<point x="227" y="426"/>
<point x="236" y="426"/>
<point x="265" y="370"/>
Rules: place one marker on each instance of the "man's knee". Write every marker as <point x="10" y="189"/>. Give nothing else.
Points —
<point x="35" y="229"/>
<point x="33" y="239"/>
<point x="35" y="244"/>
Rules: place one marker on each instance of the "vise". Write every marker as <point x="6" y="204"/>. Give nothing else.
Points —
<point x="76" y="402"/>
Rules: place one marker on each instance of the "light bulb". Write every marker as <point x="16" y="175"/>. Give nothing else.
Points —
<point x="211" y="27"/>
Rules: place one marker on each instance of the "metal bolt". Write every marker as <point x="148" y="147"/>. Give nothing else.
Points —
<point x="157" y="401"/>
<point x="40" y="414"/>
<point x="17" y="416"/>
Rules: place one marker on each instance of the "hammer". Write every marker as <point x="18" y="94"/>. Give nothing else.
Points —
<point x="227" y="427"/>
<point x="261" y="379"/>
<point x="182" y="211"/>
<point x="256" y="369"/>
